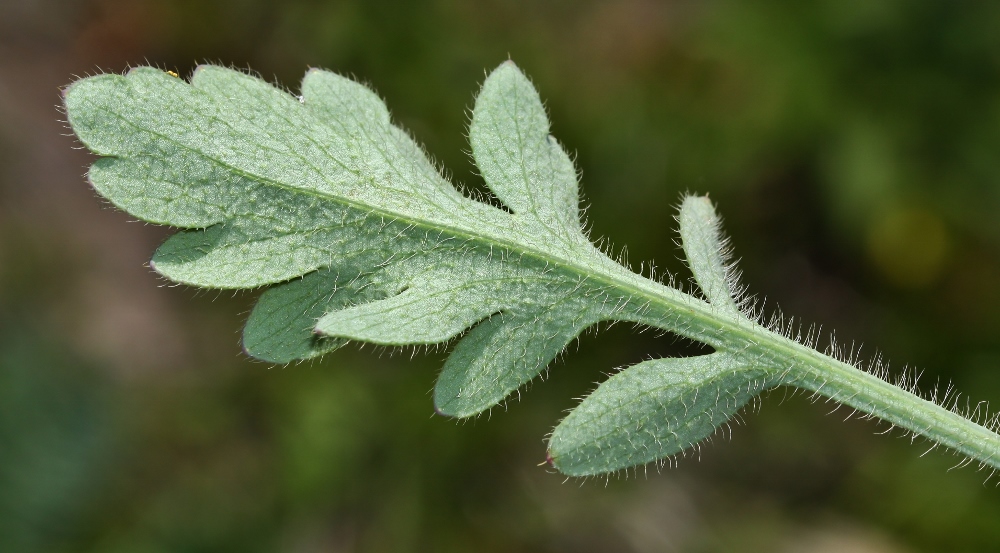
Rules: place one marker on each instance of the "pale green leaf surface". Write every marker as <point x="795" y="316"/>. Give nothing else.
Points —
<point x="502" y="353"/>
<point x="361" y="238"/>
<point x="416" y="316"/>
<point x="667" y="405"/>
<point x="273" y="188"/>
<point x="281" y="327"/>
<point x="704" y="250"/>
<point x="521" y="162"/>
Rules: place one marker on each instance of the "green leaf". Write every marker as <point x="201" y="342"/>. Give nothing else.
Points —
<point x="275" y="188"/>
<point x="667" y="406"/>
<point x="521" y="162"/>
<point x="281" y="327"/>
<point x="504" y="352"/>
<point x="706" y="251"/>
<point x="359" y="236"/>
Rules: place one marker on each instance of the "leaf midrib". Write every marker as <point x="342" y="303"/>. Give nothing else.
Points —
<point x="633" y="285"/>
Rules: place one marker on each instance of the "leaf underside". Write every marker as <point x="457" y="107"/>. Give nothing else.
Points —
<point x="361" y="238"/>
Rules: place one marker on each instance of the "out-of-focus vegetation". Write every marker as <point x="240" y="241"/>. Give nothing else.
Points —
<point x="853" y="147"/>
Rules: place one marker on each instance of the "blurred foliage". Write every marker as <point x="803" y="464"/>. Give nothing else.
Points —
<point x="851" y="145"/>
<point x="56" y="435"/>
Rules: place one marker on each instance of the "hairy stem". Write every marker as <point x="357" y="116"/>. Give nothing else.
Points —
<point x="868" y="393"/>
<point x="795" y="364"/>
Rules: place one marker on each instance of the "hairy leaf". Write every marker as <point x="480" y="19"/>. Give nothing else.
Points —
<point x="669" y="405"/>
<point x="359" y="236"/>
<point x="705" y="252"/>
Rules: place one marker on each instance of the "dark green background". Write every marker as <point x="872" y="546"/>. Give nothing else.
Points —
<point x="852" y="146"/>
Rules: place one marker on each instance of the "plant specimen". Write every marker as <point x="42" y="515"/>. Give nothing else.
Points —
<point x="361" y="238"/>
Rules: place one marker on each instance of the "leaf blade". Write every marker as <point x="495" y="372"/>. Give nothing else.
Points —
<point x="521" y="162"/>
<point x="705" y="251"/>
<point x="273" y="188"/>
<point x="503" y="353"/>
<point x="281" y="326"/>
<point x="652" y="410"/>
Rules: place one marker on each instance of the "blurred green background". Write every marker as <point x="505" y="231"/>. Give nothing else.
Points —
<point x="852" y="146"/>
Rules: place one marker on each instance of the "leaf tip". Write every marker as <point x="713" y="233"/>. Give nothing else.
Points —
<point x="701" y="201"/>
<point x="449" y="408"/>
<point x="508" y="68"/>
<point x="243" y="345"/>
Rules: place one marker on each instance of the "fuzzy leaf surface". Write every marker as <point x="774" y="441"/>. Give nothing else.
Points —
<point x="704" y="249"/>
<point x="362" y="238"/>
<point x="668" y="405"/>
<point x="359" y="237"/>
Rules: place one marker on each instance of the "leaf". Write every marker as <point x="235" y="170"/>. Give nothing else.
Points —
<point x="520" y="161"/>
<point x="359" y="237"/>
<point x="705" y="252"/>
<point x="666" y="406"/>
<point x="504" y="352"/>
<point x="324" y="187"/>
<point x="281" y="327"/>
